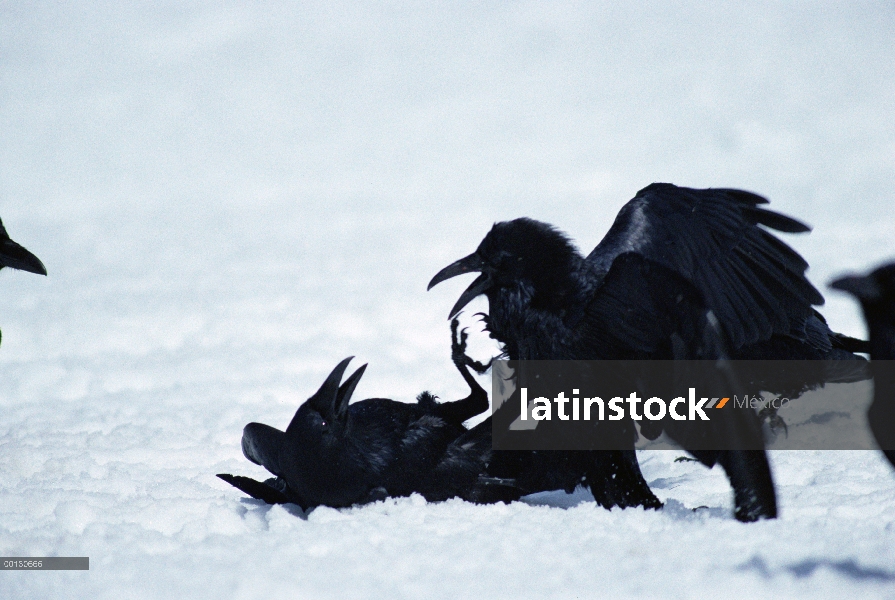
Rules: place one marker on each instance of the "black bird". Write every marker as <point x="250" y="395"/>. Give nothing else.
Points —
<point x="14" y="256"/>
<point x="336" y="454"/>
<point x="548" y="302"/>
<point x="876" y="293"/>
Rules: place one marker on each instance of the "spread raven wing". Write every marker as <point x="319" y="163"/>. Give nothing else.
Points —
<point x="753" y="283"/>
<point x="644" y="309"/>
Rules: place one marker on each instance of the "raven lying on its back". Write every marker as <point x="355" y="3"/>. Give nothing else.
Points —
<point x="336" y="454"/>
<point x="876" y="293"/>
<point x="623" y="301"/>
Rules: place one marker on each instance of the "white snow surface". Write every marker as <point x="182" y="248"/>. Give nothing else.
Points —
<point x="231" y="197"/>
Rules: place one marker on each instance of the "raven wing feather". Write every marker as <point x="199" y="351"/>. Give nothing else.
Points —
<point x="716" y="239"/>
<point x="646" y="310"/>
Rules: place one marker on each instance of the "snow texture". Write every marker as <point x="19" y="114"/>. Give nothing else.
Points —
<point x="232" y="197"/>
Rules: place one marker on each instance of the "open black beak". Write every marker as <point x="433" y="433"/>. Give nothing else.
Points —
<point x="862" y="288"/>
<point x="470" y="264"/>
<point x="326" y="398"/>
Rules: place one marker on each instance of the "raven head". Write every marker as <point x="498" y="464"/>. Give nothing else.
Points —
<point x="323" y="418"/>
<point x="875" y="292"/>
<point x="519" y="253"/>
<point x="14" y="256"/>
<point x="317" y="457"/>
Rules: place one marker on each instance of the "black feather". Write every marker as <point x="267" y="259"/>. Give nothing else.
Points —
<point x="711" y="250"/>
<point x="338" y="454"/>
<point x="876" y="293"/>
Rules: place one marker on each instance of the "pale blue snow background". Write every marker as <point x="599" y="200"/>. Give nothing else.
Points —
<point x="231" y="197"/>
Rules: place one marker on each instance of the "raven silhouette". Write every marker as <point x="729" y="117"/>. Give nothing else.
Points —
<point x="676" y="263"/>
<point x="876" y="293"/>
<point x="338" y="454"/>
<point x="14" y="256"/>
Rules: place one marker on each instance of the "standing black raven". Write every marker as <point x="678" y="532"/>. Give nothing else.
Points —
<point x="674" y="255"/>
<point x="876" y="293"/>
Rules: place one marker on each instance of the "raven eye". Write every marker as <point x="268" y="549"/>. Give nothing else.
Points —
<point x="503" y="258"/>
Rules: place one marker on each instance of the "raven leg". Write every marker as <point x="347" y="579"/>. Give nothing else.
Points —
<point x="881" y="415"/>
<point x="614" y="478"/>
<point x="753" y="488"/>
<point x="477" y="401"/>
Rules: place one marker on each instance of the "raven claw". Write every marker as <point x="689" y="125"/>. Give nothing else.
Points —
<point x="775" y="421"/>
<point x="458" y="350"/>
<point x="478" y="367"/>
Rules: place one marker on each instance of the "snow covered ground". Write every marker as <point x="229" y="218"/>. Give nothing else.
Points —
<point x="232" y="197"/>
